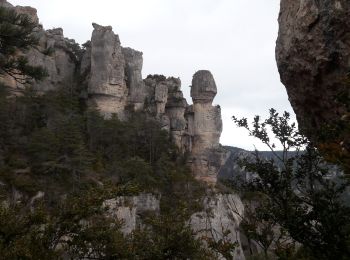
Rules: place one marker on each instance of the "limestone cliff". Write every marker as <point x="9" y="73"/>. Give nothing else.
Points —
<point x="313" y="57"/>
<point x="112" y="78"/>
<point x="115" y="85"/>
<point x="219" y="219"/>
<point x="54" y="52"/>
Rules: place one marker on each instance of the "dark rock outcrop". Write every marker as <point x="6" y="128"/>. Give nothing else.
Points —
<point x="313" y="57"/>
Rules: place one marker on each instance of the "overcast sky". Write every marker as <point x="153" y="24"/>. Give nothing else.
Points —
<point x="234" y="39"/>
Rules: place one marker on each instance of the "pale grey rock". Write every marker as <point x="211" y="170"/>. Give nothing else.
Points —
<point x="29" y="11"/>
<point x="56" y="56"/>
<point x="206" y="164"/>
<point x="221" y="213"/>
<point x="107" y="63"/>
<point x="113" y="79"/>
<point x="203" y="87"/>
<point x="4" y="3"/>
<point x="205" y="127"/>
<point x="128" y="209"/>
<point x="107" y="85"/>
<point x="53" y="53"/>
<point x="161" y="97"/>
<point x="133" y="75"/>
<point x="313" y="58"/>
<point x="175" y="110"/>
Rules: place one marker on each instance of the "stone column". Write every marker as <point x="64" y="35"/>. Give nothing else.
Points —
<point x="207" y="154"/>
<point x="107" y="87"/>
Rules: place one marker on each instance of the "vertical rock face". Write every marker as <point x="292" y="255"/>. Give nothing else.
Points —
<point x="220" y="220"/>
<point x="107" y="87"/>
<point x="128" y="209"/>
<point x="175" y="111"/>
<point x="113" y="74"/>
<point x="313" y="57"/>
<point x="133" y="77"/>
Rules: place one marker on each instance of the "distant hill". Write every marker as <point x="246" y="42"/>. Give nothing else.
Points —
<point x="231" y="169"/>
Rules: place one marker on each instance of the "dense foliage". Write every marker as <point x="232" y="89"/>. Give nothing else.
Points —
<point x="16" y="36"/>
<point x="295" y="195"/>
<point x="60" y="161"/>
<point x="51" y="143"/>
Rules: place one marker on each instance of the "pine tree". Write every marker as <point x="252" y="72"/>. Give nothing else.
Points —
<point x="16" y="36"/>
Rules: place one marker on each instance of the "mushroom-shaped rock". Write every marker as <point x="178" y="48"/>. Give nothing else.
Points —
<point x="203" y="89"/>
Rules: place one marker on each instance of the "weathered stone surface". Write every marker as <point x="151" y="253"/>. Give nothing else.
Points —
<point x="161" y="97"/>
<point x="30" y="11"/>
<point x="222" y="213"/>
<point x="107" y="63"/>
<point x="6" y="4"/>
<point x="203" y="87"/>
<point x="54" y="53"/>
<point x="57" y="57"/>
<point x="114" y="85"/>
<point x="107" y="84"/>
<point x="313" y="57"/>
<point x="205" y="127"/>
<point x="133" y="75"/>
<point x="128" y="209"/>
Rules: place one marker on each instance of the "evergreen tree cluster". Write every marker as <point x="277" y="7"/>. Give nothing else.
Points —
<point x="16" y="37"/>
<point x="53" y="144"/>
<point x="59" y="161"/>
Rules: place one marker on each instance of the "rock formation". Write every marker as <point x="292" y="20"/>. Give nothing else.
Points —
<point x="114" y="85"/>
<point x="219" y="219"/>
<point x="106" y="86"/>
<point x="54" y="52"/>
<point x="111" y="79"/>
<point x="129" y="208"/>
<point x="313" y="57"/>
<point x="205" y="128"/>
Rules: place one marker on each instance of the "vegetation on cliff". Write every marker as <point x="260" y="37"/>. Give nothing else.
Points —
<point x="78" y="159"/>
<point x="15" y="38"/>
<point x="296" y="197"/>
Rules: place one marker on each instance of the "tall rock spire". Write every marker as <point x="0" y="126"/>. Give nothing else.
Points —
<point x="207" y="154"/>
